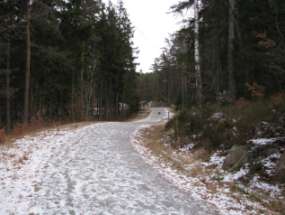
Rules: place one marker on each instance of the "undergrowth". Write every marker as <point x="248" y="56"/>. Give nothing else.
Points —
<point x="236" y="125"/>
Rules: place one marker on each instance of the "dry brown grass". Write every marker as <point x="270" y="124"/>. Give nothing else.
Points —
<point x="152" y="140"/>
<point x="36" y="126"/>
<point x="20" y="130"/>
<point x="2" y="136"/>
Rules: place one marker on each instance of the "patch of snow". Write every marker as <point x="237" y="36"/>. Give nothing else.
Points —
<point x="221" y="198"/>
<point x="187" y="147"/>
<point x="257" y="183"/>
<point x="217" y="159"/>
<point x="270" y="163"/>
<point x="264" y="141"/>
<point x="230" y="177"/>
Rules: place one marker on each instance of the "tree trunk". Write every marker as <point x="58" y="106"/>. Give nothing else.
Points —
<point x="231" y="38"/>
<point x="199" y="88"/>
<point x="8" y="93"/>
<point x="72" y="97"/>
<point x="183" y="85"/>
<point x="28" y="64"/>
<point x="82" y="59"/>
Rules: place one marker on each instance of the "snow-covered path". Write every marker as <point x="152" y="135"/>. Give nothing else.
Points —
<point x="91" y="170"/>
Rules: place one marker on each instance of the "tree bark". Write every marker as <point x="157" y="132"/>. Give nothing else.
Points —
<point x="199" y="88"/>
<point x="8" y="93"/>
<point x="231" y="38"/>
<point x="82" y="61"/>
<point x="28" y="64"/>
<point x="72" y="97"/>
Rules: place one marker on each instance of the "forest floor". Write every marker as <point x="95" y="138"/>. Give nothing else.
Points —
<point x="202" y="173"/>
<point x="90" y="169"/>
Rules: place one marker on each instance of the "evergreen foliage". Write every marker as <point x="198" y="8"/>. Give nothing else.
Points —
<point x="82" y="60"/>
<point x="241" y="48"/>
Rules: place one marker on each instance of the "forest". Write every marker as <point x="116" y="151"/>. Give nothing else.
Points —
<point x="65" y="60"/>
<point x="215" y="100"/>
<point x="229" y="50"/>
<point x="223" y="74"/>
<point x="76" y="59"/>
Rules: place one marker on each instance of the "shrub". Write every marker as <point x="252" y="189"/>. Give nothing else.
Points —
<point x="256" y="91"/>
<point x="221" y="134"/>
<point x="238" y="124"/>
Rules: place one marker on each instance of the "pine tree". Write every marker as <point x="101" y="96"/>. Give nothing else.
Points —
<point x="28" y="60"/>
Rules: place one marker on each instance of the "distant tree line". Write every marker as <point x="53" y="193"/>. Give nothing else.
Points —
<point x="62" y="59"/>
<point x="229" y="49"/>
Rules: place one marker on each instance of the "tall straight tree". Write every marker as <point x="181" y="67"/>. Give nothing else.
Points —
<point x="199" y="88"/>
<point x="8" y="90"/>
<point x="74" y="55"/>
<point x="181" y="6"/>
<point x="28" y="62"/>
<point x="231" y="38"/>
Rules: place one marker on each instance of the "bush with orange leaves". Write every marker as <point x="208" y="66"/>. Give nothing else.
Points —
<point x="255" y="90"/>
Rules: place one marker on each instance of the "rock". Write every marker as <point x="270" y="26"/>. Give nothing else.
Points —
<point x="281" y="169"/>
<point x="236" y="157"/>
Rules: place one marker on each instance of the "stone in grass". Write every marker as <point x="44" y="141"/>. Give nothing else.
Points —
<point x="236" y="157"/>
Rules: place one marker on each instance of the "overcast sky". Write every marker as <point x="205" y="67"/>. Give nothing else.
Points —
<point x="153" y="23"/>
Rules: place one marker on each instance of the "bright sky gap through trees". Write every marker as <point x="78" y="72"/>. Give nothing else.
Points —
<point x="153" y="23"/>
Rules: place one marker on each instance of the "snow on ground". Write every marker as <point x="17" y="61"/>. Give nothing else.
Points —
<point x="216" y="159"/>
<point x="90" y="170"/>
<point x="95" y="170"/>
<point x="187" y="147"/>
<point x="265" y="141"/>
<point x="270" y="163"/>
<point x="256" y="184"/>
<point x="273" y="190"/>
<point x="226" y="203"/>
<point x="230" y="177"/>
<point x="229" y="202"/>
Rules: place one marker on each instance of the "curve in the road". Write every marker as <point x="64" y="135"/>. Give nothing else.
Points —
<point x="96" y="170"/>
